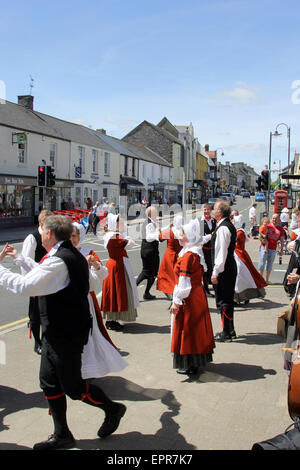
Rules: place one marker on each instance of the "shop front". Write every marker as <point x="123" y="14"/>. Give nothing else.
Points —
<point x="17" y="201"/>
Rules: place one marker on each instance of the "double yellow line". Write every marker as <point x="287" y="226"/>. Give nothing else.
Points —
<point x="17" y="322"/>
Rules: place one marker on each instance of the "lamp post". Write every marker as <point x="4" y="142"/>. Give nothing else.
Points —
<point x="276" y="134"/>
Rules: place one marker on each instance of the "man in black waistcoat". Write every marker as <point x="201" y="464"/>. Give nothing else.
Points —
<point x="225" y="269"/>
<point x="32" y="247"/>
<point x="209" y="226"/>
<point x="62" y="284"/>
<point x="149" y="251"/>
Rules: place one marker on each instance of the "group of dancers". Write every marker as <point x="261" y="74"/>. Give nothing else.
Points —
<point x="201" y="252"/>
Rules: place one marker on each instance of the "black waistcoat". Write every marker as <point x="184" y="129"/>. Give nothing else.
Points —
<point x="66" y="314"/>
<point x="230" y="261"/>
<point x="40" y="250"/>
<point x="208" y="231"/>
<point x="148" y="247"/>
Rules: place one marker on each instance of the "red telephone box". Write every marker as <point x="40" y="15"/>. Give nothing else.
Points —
<point x="280" y="201"/>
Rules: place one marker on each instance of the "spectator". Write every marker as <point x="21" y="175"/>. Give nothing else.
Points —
<point x="89" y="203"/>
<point x="252" y="218"/>
<point x="284" y="217"/>
<point x="273" y="234"/>
<point x="294" y="222"/>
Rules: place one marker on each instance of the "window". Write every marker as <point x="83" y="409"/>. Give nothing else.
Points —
<point x="144" y="171"/>
<point x="126" y="166"/>
<point x="53" y="153"/>
<point x="22" y="147"/>
<point x="81" y="158"/>
<point x="95" y="160"/>
<point x="106" y="164"/>
<point x="133" y="167"/>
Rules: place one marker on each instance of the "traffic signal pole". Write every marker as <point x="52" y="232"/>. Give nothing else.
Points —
<point x="269" y="179"/>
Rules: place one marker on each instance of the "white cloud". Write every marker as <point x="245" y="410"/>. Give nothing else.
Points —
<point x="242" y="94"/>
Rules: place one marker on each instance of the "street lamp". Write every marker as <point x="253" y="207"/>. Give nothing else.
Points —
<point x="277" y="134"/>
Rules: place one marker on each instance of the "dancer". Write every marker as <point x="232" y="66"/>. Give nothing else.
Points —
<point x="166" y="276"/>
<point x="149" y="251"/>
<point x="225" y="269"/>
<point x="119" y="294"/>
<point x="249" y="283"/>
<point x="32" y="247"/>
<point x="62" y="283"/>
<point x="192" y="340"/>
<point x="100" y="356"/>
<point x="209" y="226"/>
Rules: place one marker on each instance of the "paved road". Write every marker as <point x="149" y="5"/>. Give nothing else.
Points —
<point x="239" y="399"/>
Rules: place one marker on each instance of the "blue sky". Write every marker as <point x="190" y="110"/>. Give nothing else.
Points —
<point x="227" y="66"/>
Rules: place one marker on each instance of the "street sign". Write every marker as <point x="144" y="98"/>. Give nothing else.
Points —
<point x="78" y="172"/>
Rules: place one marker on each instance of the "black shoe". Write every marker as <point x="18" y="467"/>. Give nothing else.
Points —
<point x="149" y="297"/>
<point x="111" y="422"/>
<point x="37" y="348"/>
<point x="233" y="334"/>
<point x="223" y="337"/>
<point x="114" y="325"/>
<point x="183" y="371"/>
<point x="55" y="442"/>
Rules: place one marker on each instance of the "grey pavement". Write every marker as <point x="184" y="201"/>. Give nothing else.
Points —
<point x="240" y="398"/>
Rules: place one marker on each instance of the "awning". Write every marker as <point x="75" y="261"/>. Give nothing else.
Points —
<point x="131" y="182"/>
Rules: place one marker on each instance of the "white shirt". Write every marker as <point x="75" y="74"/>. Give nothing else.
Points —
<point x="284" y="217"/>
<point x="42" y="279"/>
<point x="152" y="234"/>
<point x="223" y="239"/>
<point x="252" y="213"/>
<point x="209" y="222"/>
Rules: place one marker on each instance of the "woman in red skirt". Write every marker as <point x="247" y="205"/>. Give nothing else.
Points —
<point x="166" y="276"/>
<point x="192" y="340"/>
<point x="119" y="293"/>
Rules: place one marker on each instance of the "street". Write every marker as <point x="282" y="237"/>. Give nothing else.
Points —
<point x="239" y="399"/>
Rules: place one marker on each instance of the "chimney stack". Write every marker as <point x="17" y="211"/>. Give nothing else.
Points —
<point x="101" y="131"/>
<point x="26" y="101"/>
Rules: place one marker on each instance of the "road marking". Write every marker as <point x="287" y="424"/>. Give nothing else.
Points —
<point x="17" y="322"/>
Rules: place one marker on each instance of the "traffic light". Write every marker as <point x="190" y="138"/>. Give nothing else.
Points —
<point x="258" y="183"/>
<point x="265" y="180"/>
<point x="41" y="175"/>
<point x="50" y="176"/>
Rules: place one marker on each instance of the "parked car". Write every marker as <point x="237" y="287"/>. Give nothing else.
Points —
<point x="225" y="198"/>
<point x="245" y="194"/>
<point x="212" y="201"/>
<point x="272" y="198"/>
<point x="229" y="195"/>
<point x="260" y="197"/>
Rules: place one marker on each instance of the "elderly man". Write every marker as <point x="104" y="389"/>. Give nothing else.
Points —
<point x="209" y="226"/>
<point x="62" y="283"/>
<point x="225" y="269"/>
<point x="149" y="251"/>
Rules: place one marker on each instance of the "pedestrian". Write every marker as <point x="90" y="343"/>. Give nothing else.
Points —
<point x="70" y="204"/>
<point x="252" y="218"/>
<point x="149" y="251"/>
<point x="249" y="283"/>
<point x="96" y="212"/>
<point x="100" y="356"/>
<point x="32" y="247"/>
<point x="273" y="233"/>
<point x="119" y="292"/>
<point x="61" y="282"/>
<point x="224" y="269"/>
<point x="166" y="276"/>
<point x="285" y="217"/>
<point x="192" y="339"/>
<point x="209" y="226"/>
<point x="294" y="222"/>
<point x="89" y="204"/>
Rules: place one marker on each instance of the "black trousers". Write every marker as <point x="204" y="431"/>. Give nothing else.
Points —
<point x="34" y="319"/>
<point x="209" y="265"/>
<point x="150" y="261"/>
<point x="224" y="294"/>
<point x="60" y="374"/>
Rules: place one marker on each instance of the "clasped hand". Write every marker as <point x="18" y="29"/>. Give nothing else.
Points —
<point x="8" y="250"/>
